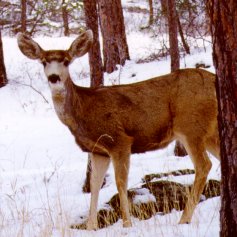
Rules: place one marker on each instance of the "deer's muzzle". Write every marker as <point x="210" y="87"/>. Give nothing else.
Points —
<point x="54" y="78"/>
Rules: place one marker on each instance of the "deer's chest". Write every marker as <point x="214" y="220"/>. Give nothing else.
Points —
<point x="62" y="113"/>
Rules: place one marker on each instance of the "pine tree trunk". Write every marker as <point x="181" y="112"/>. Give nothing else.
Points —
<point x="23" y="15"/>
<point x="151" y="15"/>
<point x="115" y="48"/>
<point x="223" y="15"/>
<point x="164" y="7"/>
<point x="174" y="54"/>
<point x="120" y="33"/>
<point x="87" y="187"/>
<point x="110" y="48"/>
<point x="65" y="18"/>
<point x="185" y="44"/>
<point x="95" y="61"/>
<point x="179" y="149"/>
<point x="96" y="66"/>
<point x="3" y="76"/>
<point x="173" y="34"/>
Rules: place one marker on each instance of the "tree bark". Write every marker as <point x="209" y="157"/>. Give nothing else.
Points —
<point x="115" y="48"/>
<point x="23" y="15"/>
<point x="151" y="15"/>
<point x="65" y="18"/>
<point x="87" y="186"/>
<point x="174" y="54"/>
<point x="164" y="7"/>
<point x="95" y="61"/>
<point x="3" y="75"/>
<point x="179" y="149"/>
<point x="186" y="47"/>
<point x="173" y="34"/>
<point x="223" y="15"/>
<point x="96" y="66"/>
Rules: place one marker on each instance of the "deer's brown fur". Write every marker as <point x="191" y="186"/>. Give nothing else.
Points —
<point x="113" y="122"/>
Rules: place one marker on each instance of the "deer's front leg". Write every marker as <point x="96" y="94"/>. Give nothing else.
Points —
<point x="99" y="166"/>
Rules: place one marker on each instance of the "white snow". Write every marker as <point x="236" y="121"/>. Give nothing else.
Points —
<point x="42" y="170"/>
<point x="143" y="195"/>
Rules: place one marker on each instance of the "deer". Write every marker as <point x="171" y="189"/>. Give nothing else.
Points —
<point x="113" y="122"/>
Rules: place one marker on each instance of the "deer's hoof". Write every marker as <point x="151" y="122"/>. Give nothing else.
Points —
<point x="184" y="220"/>
<point x="91" y="226"/>
<point x="127" y="224"/>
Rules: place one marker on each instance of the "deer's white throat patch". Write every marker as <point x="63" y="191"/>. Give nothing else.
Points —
<point x="57" y="88"/>
<point x="59" y="93"/>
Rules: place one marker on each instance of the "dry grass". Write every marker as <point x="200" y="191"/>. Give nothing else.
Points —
<point x="19" y="219"/>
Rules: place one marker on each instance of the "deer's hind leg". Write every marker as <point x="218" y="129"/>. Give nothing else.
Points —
<point x="213" y="144"/>
<point x="121" y="168"/>
<point x="99" y="166"/>
<point x="202" y="164"/>
<point x="121" y="162"/>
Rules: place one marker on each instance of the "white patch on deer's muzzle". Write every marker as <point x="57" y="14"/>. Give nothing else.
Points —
<point x="57" y="69"/>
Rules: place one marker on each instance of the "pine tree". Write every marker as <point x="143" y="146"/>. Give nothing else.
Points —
<point x="223" y="15"/>
<point x="3" y="76"/>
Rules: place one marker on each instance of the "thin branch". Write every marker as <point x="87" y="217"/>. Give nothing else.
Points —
<point x="32" y="87"/>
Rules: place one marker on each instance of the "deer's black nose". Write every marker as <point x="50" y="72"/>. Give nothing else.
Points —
<point x="54" y="78"/>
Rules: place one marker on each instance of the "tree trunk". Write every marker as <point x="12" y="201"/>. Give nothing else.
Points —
<point x="179" y="149"/>
<point x="115" y="48"/>
<point x="164" y="7"/>
<point x="110" y="48"/>
<point x="87" y="186"/>
<point x="174" y="54"/>
<point x="120" y="33"/>
<point x="3" y="75"/>
<point x="223" y="15"/>
<point x="96" y="66"/>
<point x="23" y="15"/>
<point x="151" y="15"/>
<point x="173" y="34"/>
<point x="95" y="61"/>
<point x="65" y="18"/>
<point x="185" y="45"/>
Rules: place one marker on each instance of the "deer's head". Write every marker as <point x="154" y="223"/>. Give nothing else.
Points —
<point x="56" y="62"/>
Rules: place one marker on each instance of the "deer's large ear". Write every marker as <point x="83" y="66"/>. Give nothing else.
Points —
<point x="29" y="47"/>
<point x="81" y="44"/>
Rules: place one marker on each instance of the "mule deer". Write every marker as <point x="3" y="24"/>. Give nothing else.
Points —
<point x="115" y="121"/>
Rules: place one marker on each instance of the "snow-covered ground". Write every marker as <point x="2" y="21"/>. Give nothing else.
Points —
<point x="42" y="170"/>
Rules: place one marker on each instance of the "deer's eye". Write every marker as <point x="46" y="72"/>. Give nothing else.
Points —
<point x="44" y="62"/>
<point x="66" y="62"/>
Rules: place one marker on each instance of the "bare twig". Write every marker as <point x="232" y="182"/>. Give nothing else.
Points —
<point x="32" y="87"/>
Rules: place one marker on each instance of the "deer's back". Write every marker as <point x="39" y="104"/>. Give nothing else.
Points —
<point x="150" y="112"/>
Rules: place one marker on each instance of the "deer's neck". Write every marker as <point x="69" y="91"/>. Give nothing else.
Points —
<point x="65" y="97"/>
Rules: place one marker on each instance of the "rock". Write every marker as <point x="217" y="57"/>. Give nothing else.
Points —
<point x="167" y="195"/>
<point x="212" y="189"/>
<point x="149" y="177"/>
